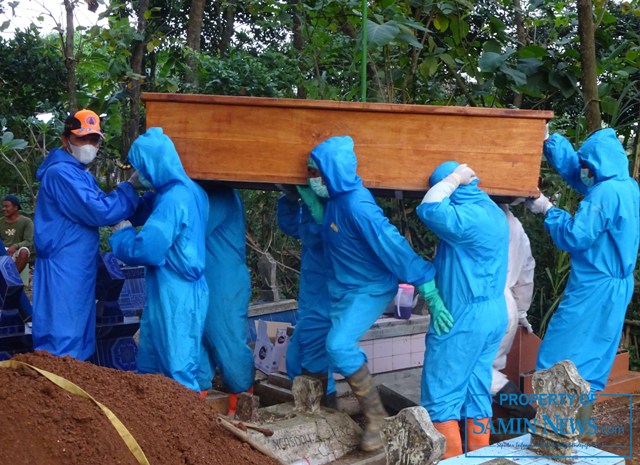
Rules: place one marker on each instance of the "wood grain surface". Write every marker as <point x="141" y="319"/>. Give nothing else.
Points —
<point x="264" y="141"/>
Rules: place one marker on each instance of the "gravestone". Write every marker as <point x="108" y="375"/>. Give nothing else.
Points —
<point x="553" y="432"/>
<point x="304" y="430"/>
<point x="411" y="439"/>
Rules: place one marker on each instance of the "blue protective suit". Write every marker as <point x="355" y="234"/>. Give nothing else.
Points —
<point x="471" y="264"/>
<point x="602" y="238"/>
<point x="224" y="343"/>
<point x="366" y="255"/>
<point x="307" y="347"/>
<point x="172" y="247"/>
<point x="69" y="209"/>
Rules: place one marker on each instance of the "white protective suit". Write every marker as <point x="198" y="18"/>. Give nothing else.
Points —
<point x="518" y="293"/>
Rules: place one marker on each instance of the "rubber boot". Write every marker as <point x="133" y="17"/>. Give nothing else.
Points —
<point x="233" y="401"/>
<point x="512" y="406"/>
<point x="366" y="392"/>
<point x="451" y="432"/>
<point x="478" y="433"/>
<point x="583" y="417"/>
<point x="203" y="394"/>
<point x="328" y="400"/>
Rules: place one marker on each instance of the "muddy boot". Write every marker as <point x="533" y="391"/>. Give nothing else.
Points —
<point x="328" y="400"/>
<point x="512" y="405"/>
<point x="366" y="392"/>
<point x="583" y="424"/>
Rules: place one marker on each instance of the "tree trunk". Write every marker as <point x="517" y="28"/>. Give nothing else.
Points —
<point x="132" y="129"/>
<point x="194" y="30"/>
<point x="69" y="58"/>
<point x="588" y="60"/>
<point x="522" y="39"/>
<point x="229" y="13"/>
<point x="298" y="42"/>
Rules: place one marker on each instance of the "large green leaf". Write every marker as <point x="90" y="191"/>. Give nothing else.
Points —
<point x="490" y="62"/>
<point x="428" y="67"/>
<point x="518" y="77"/>
<point x="532" y="51"/>
<point x="381" y="34"/>
<point x="529" y="66"/>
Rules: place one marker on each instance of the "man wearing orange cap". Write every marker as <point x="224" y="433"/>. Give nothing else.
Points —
<point x="69" y="210"/>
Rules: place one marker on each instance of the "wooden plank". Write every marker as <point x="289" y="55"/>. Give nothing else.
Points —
<point x="265" y="141"/>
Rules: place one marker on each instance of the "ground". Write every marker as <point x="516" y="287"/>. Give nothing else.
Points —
<point x="44" y="424"/>
<point x="614" y="414"/>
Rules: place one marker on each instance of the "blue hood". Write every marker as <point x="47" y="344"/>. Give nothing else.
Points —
<point x="155" y="157"/>
<point x="469" y="193"/>
<point x="337" y="162"/>
<point x="603" y="153"/>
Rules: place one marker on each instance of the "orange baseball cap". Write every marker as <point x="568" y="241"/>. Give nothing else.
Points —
<point x="83" y="123"/>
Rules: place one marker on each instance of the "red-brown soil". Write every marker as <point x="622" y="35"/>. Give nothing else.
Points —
<point x="41" y="423"/>
<point x="614" y="415"/>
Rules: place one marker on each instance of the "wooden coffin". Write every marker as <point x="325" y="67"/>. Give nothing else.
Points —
<point x="258" y="142"/>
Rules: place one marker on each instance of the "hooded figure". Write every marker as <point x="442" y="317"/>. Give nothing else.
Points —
<point x="224" y="343"/>
<point x="171" y="246"/>
<point x="602" y="239"/>
<point x="471" y="266"/>
<point x="69" y="210"/>
<point x="307" y="351"/>
<point x="365" y="257"/>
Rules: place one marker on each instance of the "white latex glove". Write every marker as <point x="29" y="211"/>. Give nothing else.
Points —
<point x="546" y="132"/>
<point x="540" y="205"/>
<point x="464" y="175"/>
<point x="522" y="321"/>
<point x="122" y="225"/>
<point x="135" y="182"/>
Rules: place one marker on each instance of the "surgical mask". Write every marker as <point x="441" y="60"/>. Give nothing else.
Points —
<point x="584" y="177"/>
<point x="85" y="154"/>
<point x="144" y="181"/>
<point x="320" y="189"/>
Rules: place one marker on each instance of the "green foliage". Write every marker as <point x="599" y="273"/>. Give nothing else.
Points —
<point x="33" y="75"/>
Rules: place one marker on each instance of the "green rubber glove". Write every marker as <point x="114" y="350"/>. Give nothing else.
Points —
<point x="441" y="318"/>
<point x="313" y="203"/>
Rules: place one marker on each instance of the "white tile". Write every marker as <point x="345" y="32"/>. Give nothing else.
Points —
<point x="382" y="348"/>
<point x="401" y="345"/>
<point x="417" y="359"/>
<point x="401" y="361"/>
<point x="382" y="364"/>
<point x="417" y="343"/>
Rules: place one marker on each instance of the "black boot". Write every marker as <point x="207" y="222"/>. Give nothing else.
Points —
<point x="514" y="408"/>
<point x="328" y="400"/>
<point x="366" y="392"/>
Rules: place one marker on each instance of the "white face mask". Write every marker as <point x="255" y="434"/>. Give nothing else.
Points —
<point x="85" y="154"/>
<point x="584" y="177"/>
<point x="320" y="189"/>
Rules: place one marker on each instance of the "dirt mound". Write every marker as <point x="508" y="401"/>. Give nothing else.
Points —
<point x="42" y="423"/>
